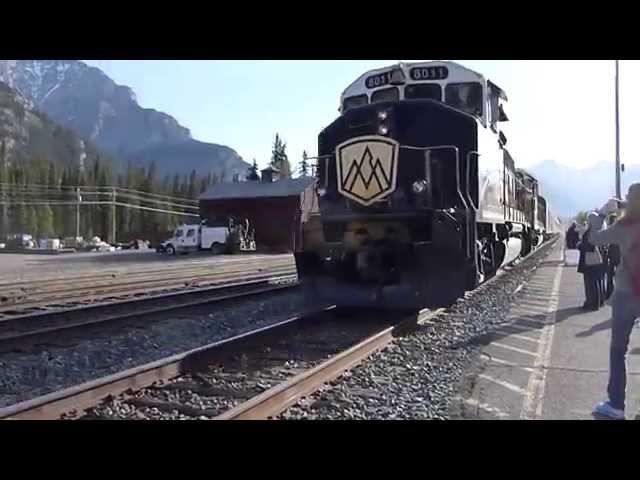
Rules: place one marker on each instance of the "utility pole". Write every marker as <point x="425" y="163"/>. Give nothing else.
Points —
<point x="79" y="199"/>
<point x="113" y="216"/>
<point x="618" y="193"/>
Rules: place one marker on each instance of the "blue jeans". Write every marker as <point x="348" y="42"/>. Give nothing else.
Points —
<point x="626" y="308"/>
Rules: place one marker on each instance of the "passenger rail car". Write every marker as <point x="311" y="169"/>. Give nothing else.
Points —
<point x="419" y="198"/>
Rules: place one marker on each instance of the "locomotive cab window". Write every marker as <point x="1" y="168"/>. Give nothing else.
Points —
<point x="431" y="91"/>
<point x="494" y="109"/>
<point x="179" y="233"/>
<point x="353" y="102"/>
<point x="191" y="232"/>
<point x="386" y="95"/>
<point x="465" y="96"/>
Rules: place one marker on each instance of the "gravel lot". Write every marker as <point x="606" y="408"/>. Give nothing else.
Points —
<point x="111" y="349"/>
<point x="417" y="376"/>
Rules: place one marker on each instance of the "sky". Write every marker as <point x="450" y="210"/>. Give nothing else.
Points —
<point x="558" y="110"/>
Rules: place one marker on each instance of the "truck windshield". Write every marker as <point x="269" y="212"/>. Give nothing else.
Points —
<point x="178" y="233"/>
<point x="191" y="233"/>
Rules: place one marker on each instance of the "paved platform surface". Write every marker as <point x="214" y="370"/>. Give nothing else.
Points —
<point x="551" y="359"/>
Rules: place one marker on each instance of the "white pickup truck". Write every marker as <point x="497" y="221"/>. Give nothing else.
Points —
<point x="187" y="238"/>
<point x="228" y="236"/>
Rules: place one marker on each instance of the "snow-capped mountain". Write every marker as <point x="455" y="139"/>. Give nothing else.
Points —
<point x="85" y="99"/>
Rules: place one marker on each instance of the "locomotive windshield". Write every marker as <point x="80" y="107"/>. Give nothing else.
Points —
<point x="356" y="101"/>
<point x="386" y="95"/>
<point x="465" y="96"/>
<point x="431" y="91"/>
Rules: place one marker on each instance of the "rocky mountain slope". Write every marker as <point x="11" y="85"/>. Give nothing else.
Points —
<point x="86" y="100"/>
<point x="26" y="134"/>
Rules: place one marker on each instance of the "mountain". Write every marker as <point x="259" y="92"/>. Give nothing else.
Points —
<point x="86" y="100"/>
<point x="571" y="190"/>
<point x="26" y="134"/>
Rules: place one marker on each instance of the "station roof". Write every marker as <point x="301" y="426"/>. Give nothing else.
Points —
<point x="256" y="189"/>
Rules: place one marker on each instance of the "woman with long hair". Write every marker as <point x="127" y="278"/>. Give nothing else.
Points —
<point x="625" y="233"/>
<point x="591" y="266"/>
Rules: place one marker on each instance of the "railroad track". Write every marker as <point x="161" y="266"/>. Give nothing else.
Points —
<point x="251" y="376"/>
<point x="254" y="375"/>
<point x="48" y="296"/>
<point x="27" y="327"/>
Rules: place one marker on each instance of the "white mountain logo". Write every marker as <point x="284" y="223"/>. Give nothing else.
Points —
<point x="367" y="168"/>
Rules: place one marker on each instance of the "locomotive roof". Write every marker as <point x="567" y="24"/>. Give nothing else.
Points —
<point x="285" y="187"/>
<point x="456" y="73"/>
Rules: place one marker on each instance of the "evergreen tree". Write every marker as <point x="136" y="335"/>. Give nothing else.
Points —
<point x="304" y="165"/>
<point x="191" y="189"/>
<point x="4" y="178"/>
<point x="279" y="158"/>
<point x="252" y="174"/>
<point x="175" y="191"/>
<point x="45" y="221"/>
<point x="30" y="220"/>
<point x="203" y="185"/>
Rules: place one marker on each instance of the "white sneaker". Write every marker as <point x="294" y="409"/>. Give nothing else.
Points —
<point x="606" y="410"/>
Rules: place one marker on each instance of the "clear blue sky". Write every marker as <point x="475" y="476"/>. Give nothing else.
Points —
<point x="559" y="110"/>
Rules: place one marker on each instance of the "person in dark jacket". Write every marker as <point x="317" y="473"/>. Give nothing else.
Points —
<point x="572" y="237"/>
<point x="591" y="266"/>
<point x="611" y="260"/>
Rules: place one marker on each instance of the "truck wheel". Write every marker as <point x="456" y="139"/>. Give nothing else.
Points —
<point x="218" y="248"/>
<point x="170" y="250"/>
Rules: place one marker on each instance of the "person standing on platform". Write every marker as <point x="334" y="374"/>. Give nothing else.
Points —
<point x="591" y="266"/>
<point x="572" y="237"/>
<point x="625" y="233"/>
<point x="611" y="262"/>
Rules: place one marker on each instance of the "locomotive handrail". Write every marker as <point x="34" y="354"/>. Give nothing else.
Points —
<point x="326" y="167"/>
<point x="444" y="147"/>
<point x="460" y="195"/>
<point x="471" y="202"/>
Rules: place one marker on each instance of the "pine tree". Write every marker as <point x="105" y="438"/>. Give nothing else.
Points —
<point x="279" y="158"/>
<point x="31" y="221"/>
<point x="304" y="165"/>
<point x="4" y="178"/>
<point x="45" y="221"/>
<point x="175" y="191"/>
<point x="252" y="174"/>
<point x="191" y="189"/>
<point x="203" y="185"/>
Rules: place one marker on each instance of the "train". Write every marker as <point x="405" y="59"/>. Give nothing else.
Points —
<point x="418" y="197"/>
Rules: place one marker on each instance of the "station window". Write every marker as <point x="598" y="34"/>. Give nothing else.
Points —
<point x="431" y="91"/>
<point x="465" y="96"/>
<point x="386" y="95"/>
<point x="353" y="102"/>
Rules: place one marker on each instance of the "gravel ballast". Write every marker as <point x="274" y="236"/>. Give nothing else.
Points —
<point x="47" y="368"/>
<point x="417" y="376"/>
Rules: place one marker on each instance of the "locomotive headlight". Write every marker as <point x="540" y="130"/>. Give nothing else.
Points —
<point x="382" y="115"/>
<point x="383" y="130"/>
<point x="322" y="192"/>
<point x="419" y="187"/>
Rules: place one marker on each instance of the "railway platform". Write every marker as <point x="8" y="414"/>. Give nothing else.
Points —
<point x="550" y="359"/>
